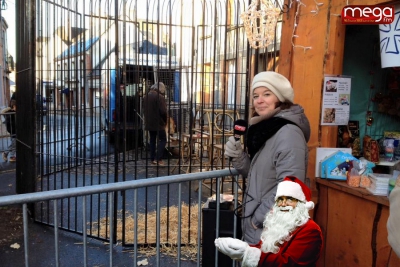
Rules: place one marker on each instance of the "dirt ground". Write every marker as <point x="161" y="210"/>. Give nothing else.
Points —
<point x="11" y="228"/>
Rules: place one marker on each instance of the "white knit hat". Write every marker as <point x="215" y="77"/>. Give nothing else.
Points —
<point x="275" y="82"/>
<point x="293" y="187"/>
<point x="158" y="86"/>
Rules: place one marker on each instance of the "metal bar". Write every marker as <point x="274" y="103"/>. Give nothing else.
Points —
<point x="111" y="220"/>
<point x="93" y="189"/>
<point x="199" y="223"/>
<point x="55" y="214"/>
<point x="235" y="204"/>
<point x="217" y="211"/>
<point x="135" y="232"/>
<point x="235" y="209"/>
<point x="26" y="242"/>
<point x="84" y="231"/>
<point x="180" y="222"/>
<point x="158" y="228"/>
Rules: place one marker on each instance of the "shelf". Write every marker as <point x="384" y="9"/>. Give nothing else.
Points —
<point x="383" y="162"/>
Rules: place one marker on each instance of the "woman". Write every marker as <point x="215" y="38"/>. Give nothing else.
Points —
<point x="277" y="147"/>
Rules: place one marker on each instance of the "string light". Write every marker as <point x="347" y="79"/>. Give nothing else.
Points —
<point x="294" y="35"/>
<point x="339" y="15"/>
<point x="317" y="5"/>
<point x="260" y="24"/>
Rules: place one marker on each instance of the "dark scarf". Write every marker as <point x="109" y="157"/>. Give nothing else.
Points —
<point x="259" y="133"/>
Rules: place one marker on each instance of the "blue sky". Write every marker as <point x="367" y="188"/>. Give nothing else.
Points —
<point x="9" y="16"/>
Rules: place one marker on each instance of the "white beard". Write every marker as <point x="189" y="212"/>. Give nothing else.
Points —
<point x="279" y="225"/>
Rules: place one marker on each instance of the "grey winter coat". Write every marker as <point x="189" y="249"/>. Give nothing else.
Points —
<point x="283" y="154"/>
<point x="155" y="111"/>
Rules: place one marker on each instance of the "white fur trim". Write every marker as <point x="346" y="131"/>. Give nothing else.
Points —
<point x="251" y="257"/>
<point x="309" y="205"/>
<point x="290" y="189"/>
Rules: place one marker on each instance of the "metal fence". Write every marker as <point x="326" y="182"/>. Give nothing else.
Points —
<point x="200" y="237"/>
<point x="92" y="62"/>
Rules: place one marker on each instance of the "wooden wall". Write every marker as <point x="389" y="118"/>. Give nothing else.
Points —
<point x="325" y="34"/>
<point x="354" y="227"/>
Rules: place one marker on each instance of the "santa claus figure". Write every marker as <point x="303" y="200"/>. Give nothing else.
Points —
<point x="289" y="238"/>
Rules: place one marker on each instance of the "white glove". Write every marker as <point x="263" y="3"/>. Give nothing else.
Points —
<point x="233" y="148"/>
<point x="234" y="248"/>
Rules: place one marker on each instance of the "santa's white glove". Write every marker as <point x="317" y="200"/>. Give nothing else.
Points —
<point x="233" y="148"/>
<point x="234" y="248"/>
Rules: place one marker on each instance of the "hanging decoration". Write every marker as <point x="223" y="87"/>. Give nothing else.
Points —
<point x="389" y="40"/>
<point x="294" y="35"/>
<point x="370" y="119"/>
<point x="316" y="10"/>
<point x="259" y="21"/>
<point x="388" y="100"/>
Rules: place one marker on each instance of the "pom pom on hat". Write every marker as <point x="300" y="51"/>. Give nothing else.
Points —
<point x="293" y="187"/>
<point x="158" y="86"/>
<point x="275" y="82"/>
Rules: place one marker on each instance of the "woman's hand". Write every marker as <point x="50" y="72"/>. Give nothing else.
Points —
<point x="233" y="148"/>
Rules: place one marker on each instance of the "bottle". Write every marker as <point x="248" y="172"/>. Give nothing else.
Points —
<point x="397" y="150"/>
<point x="389" y="149"/>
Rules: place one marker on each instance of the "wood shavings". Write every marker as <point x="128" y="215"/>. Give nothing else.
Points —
<point x="15" y="246"/>
<point x="142" y="262"/>
<point x="147" y="233"/>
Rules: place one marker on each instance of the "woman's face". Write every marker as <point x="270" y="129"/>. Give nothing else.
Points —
<point x="264" y="101"/>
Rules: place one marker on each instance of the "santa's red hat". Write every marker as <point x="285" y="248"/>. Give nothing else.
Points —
<point x="293" y="187"/>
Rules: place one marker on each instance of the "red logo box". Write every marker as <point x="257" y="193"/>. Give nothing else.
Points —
<point x="367" y="14"/>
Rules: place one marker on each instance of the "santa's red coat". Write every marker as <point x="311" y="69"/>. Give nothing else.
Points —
<point x="303" y="249"/>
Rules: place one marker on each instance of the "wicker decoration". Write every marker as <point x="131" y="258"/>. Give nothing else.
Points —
<point x="260" y="24"/>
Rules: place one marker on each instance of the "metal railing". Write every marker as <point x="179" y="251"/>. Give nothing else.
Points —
<point x="112" y="188"/>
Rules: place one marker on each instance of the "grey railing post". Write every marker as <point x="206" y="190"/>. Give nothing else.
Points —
<point x="26" y="242"/>
<point x="84" y="232"/>
<point x="57" y="256"/>
<point x="111" y="219"/>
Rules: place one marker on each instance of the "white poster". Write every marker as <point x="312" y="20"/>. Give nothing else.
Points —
<point x="389" y="41"/>
<point x="336" y="100"/>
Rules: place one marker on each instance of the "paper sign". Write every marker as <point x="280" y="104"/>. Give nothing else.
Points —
<point x="336" y="100"/>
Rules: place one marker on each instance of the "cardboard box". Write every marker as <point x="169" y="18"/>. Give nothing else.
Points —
<point x="324" y="153"/>
<point x="394" y="135"/>
<point x="336" y="166"/>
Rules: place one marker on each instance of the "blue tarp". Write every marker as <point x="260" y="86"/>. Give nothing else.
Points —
<point x="78" y="48"/>
<point x="150" y="48"/>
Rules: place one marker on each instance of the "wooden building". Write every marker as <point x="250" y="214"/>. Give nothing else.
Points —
<point x="353" y="223"/>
